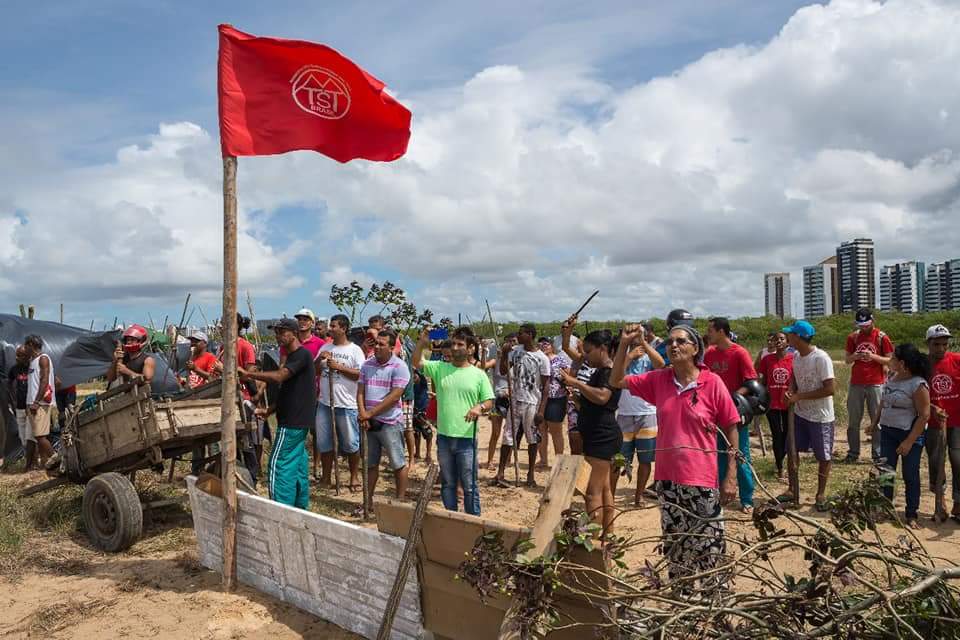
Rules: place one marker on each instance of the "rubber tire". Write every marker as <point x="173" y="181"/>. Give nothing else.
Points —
<point x="120" y="493"/>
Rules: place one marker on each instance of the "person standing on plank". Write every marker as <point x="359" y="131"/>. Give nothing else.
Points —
<point x="530" y="372"/>
<point x="775" y="371"/>
<point x="692" y="405"/>
<point x="288" y="470"/>
<point x="383" y="379"/>
<point x="463" y="395"/>
<point x="811" y="391"/>
<point x="343" y="360"/>
<point x="945" y="413"/>
<point x="868" y="350"/>
<point x="40" y="385"/>
<point x="734" y="365"/>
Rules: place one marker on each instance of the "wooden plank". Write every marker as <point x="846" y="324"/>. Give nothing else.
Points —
<point x="446" y="535"/>
<point x="335" y="570"/>
<point x="452" y="609"/>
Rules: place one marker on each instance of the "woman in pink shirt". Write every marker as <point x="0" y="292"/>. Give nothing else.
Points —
<point x="692" y="405"/>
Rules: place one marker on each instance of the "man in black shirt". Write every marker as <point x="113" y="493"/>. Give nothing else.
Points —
<point x="17" y="378"/>
<point x="288" y="472"/>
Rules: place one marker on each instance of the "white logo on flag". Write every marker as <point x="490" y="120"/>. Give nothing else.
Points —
<point x="320" y="92"/>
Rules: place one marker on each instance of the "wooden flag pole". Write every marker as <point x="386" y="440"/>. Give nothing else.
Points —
<point x="228" y="404"/>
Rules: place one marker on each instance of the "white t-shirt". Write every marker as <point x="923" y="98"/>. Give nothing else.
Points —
<point x="344" y="389"/>
<point x="527" y="367"/>
<point x="810" y="371"/>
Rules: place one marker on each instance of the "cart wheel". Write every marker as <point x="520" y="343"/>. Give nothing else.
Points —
<point x="112" y="513"/>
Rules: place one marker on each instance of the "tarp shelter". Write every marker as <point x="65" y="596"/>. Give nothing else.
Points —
<point x="78" y="355"/>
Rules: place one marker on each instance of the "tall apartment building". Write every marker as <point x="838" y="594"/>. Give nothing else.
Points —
<point x="821" y="291"/>
<point x="902" y="287"/>
<point x="776" y="287"/>
<point x="856" y="273"/>
<point x="942" y="286"/>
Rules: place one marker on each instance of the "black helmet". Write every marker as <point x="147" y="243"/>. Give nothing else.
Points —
<point x="757" y="396"/>
<point x="743" y="407"/>
<point x="678" y="317"/>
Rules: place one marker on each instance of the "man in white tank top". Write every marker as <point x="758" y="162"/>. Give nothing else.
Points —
<point x="40" y="386"/>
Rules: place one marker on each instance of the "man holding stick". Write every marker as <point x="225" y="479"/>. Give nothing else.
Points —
<point x="530" y="369"/>
<point x="811" y="396"/>
<point x="288" y="470"/>
<point x="383" y="379"/>
<point x="343" y="360"/>
<point x="463" y="395"/>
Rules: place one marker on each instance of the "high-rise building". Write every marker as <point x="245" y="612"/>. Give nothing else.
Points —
<point x="856" y="273"/>
<point x="942" y="286"/>
<point x="902" y="287"/>
<point x="821" y="292"/>
<point x="776" y="287"/>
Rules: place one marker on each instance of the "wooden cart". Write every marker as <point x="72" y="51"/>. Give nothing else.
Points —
<point x="126" y="431"/>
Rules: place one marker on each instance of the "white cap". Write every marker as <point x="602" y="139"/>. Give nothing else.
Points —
<point x="938" y="331"/>
<point x="199" y="335"/>
<point x="305" y="312"/>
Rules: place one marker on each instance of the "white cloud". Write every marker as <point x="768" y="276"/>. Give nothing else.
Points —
<point x="535" y="185"/>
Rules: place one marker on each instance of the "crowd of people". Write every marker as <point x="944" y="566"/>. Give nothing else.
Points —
<point x="678" y="408"/>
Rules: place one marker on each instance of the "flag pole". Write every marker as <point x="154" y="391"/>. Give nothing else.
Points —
<point x="228" y="404"/>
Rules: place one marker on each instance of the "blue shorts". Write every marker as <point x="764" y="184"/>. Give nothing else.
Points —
<point x="816" y="436"/>
<point x="389" y="440"/>
<point x="348" y="430"/>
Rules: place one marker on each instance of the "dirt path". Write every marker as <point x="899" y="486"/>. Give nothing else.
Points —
<point x="157" y="590"/>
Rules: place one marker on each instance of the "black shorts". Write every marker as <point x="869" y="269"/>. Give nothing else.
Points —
<point x="555" y="410"/>
<point x="421" y="426"/>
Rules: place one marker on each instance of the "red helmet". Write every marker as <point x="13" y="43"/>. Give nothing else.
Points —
<point x="137" y="332"/>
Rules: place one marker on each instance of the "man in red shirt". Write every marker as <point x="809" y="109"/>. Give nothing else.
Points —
<point x="202" y="364"/>
<point x="868" y="350"/>
<point x="734" y="365"/>
<point x="945" y="402"/>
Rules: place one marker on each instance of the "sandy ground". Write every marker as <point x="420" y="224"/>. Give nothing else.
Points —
<point x="157" y="590"/>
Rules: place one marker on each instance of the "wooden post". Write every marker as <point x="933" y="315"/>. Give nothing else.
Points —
<point x="793" y="460"/>
<point x="61" y="313"/>
<point x="228" y="405"/>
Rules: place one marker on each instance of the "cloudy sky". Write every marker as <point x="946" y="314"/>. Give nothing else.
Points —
<point x="665" y="153"/>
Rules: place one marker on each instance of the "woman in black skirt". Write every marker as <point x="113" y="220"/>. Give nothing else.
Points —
<point x="598" y="424"/>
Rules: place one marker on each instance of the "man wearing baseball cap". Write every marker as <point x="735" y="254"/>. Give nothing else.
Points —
<point x="305" y="321"/>
<point x="288" y="470"/>
<point x="868" y="350"/>
<point x="202" y="364"/>
<point x="811" y="395"/>
<point x="945" y="401"/>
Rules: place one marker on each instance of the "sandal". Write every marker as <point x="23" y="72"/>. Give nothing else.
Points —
<point x="499" y="482"/>
<point x="822" y="506"/>
<point x="913" y="523"/>
<point x="746" y="508"/>
<point x="785" y="498"/>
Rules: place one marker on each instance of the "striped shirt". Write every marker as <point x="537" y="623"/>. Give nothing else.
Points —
<point x="378" y="380"/>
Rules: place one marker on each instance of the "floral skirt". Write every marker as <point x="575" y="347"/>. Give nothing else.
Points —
<point x="691" y="544"/>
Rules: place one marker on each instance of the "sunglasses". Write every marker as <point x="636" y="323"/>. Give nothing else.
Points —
<point x="677" y="341"/>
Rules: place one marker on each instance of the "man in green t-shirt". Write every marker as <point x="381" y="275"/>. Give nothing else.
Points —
<point x="463" y="394"/>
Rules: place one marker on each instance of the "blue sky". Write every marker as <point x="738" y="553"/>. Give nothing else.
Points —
<point x="514" y="104"/>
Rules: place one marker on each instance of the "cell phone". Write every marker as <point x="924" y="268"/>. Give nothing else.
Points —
<point x="439" y="333"/>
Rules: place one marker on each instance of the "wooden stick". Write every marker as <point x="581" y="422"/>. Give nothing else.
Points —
<point x="228" y="405"/>
<point x="763" y="442"/>
<point x="583" y="306"/>
<point x="513" y="429"/>
<point x="409" y="548"/>
<point x="363" y="476"/>
<point x="793" y="460"/>
<point x="333" y="429"/>
<point x="61" y="313"/>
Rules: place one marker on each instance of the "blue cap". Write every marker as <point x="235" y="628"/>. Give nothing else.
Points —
<point x="801" y="328"/>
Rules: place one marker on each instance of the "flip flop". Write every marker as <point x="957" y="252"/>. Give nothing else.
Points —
<point x="531" y="483"/>
<point x="499" y="482"/>
<point x="785" y="498"/>
<point x="822" y="506"/>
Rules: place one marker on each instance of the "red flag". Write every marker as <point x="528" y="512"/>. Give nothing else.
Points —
<point x="281" y="95"/>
